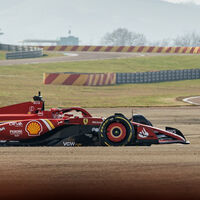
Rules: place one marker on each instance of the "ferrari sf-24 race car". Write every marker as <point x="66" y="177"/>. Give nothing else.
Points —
<point x="29" y="124"/>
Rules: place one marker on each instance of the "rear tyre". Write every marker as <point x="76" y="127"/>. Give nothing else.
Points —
<point x="116" y="130"/>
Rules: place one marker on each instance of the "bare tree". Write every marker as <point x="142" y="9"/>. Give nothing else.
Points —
<point x="188" y="39"/>
<point x="1" y="33"/>
<point x="162" y="43"/>
<point x="123" y="37"/>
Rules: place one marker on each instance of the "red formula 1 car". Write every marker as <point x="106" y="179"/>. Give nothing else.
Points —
<point x="29" y="124"/>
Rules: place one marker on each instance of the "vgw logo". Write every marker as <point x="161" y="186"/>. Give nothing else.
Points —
<point x="69" y="144"/>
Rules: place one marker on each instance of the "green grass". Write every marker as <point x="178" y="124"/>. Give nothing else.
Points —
<point x="2" y="55"/>
<point x="140" y="64"/>
<point x="19" y="83"/>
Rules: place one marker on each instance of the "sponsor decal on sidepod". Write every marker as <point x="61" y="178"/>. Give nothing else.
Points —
<point x="16" y="133"/>
<point x="143" y="133"/>
<point x="2" y="129"/>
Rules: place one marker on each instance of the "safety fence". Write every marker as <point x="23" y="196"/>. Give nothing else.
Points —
<point x="90" y="79"/>
<point x="24" y="54"/>
<point x="157" y="76"/>
<point x="100" y="79"/>
<point x="134" y="49"/>
<point x="19" y="52"/>
<point x="8" y="47"/>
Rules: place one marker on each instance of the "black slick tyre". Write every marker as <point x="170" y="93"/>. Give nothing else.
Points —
<point x="116" y="130"/>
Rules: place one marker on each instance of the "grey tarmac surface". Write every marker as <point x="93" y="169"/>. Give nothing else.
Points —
<point x="78" y="56"/>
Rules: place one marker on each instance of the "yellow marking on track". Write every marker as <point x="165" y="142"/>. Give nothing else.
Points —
<point x="145" y="49"/>
<point x="80" y="48"/>
<point x="57" y="48"/>
<point x="164" y="49"/>
<point x="92" y="48"/>
<point x="96" y="79"/>
<point x="125" y="49"/>
<point x="81" y="79"/>
<point x="45" y="48"/>
<point x="101" y="79"/>
<point x="114" y="79"/>
<point x="188" y="49"/>
<point x="173" y="49"/>
<point x="196" y="50"/>
<point x="135" y="49"/>
<point x="60" y="78"/>
<point x="155" y="50"/>
<point x="180" y="50"/>
<point x="69" y="48"/>
<point x="107" y="79"/>
<point x="90" y="79"/>
<point x="103" y="48"/>
<point x="114" y="49"/>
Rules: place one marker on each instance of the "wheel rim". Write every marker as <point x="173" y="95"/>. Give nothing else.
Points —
<point x="116" y="132"/>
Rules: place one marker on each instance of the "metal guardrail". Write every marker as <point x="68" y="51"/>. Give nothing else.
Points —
<point x="19" y="52"/>
<point x="8" y="47"/>
<point x="24" y="54"/>
<point x="158" y="76"/>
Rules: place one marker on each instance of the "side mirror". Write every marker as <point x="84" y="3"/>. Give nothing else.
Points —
<point x="38" y="98"/>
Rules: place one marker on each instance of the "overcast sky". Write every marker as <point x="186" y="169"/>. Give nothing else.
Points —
<point x="91" y="19"/>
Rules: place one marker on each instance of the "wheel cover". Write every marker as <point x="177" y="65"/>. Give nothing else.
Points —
<point x="116" y="132"/>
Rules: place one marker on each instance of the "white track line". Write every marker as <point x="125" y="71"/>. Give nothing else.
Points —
<point x="70" y="54"/>
<point x="188" y="100"/>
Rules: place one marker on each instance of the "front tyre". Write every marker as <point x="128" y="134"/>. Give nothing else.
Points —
<point x="116" y="130"/>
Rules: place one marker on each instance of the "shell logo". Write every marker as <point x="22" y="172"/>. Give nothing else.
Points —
<point x="33" y="128"/>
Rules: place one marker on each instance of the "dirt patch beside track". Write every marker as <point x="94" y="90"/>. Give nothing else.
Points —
<point x="159" y="171"/>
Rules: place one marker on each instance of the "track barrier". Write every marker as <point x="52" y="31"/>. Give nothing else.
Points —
<point x="84" y="79"/>
<point x="133" y="49"/>
<point x="19" y="52"/>
<point x="101" y="79"/>
<point x="157" y="76"/>
<point x="24" y="54"/>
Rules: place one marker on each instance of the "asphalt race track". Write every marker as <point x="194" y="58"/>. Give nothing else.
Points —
<point x="78" y="56"/>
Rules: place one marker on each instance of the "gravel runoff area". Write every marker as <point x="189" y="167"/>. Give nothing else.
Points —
<point x="156" y="172"/>
<point x="79" y="56"/>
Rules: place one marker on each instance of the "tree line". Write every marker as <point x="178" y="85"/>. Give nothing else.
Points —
<point x="124" y="37"/>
